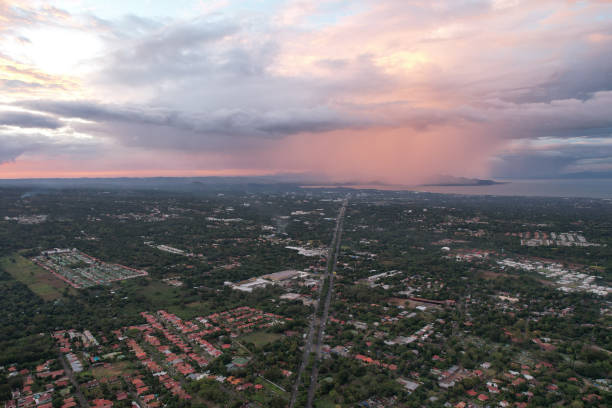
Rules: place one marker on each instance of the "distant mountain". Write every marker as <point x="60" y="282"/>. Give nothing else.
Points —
<point x="459" y="181"/>
<point x="277" y="182"/>
<point x="177" y="184"/>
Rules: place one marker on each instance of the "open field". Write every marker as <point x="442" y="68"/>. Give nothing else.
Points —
<point x="41" y="282"/>
<point x="115" y="370"/>
<point x="157" y="292"/>
<point x="325" y="403"/>
<point x="260" y="338"/>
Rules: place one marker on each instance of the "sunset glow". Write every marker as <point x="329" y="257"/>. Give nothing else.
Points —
<point x="388" y="91"/>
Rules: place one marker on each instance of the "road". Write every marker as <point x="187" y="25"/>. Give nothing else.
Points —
<point x="317" y="321"/>
<point x="331" y="273"/>
<point x="77" y="390"/>
<point x="307" y="348"/>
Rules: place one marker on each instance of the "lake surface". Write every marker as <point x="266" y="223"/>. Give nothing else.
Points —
<point x="592" y="188"/>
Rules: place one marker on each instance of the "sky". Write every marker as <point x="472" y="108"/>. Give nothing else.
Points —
<point x="393" y="91"/>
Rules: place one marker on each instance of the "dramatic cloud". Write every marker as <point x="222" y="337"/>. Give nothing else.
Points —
<point x="393" y="90"/>
<point x="203" y="130"/>
<point x="28" y="120"/>
<point x="554" y="158"/>
<point x="14" y="145"/>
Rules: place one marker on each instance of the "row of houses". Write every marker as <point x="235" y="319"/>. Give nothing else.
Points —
<point x="49" y="383"/>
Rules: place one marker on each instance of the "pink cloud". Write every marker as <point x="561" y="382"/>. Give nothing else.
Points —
<point x="393" y="91"/>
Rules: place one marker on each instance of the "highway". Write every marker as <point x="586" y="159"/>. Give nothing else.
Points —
<point x="331" y="272"/>
<point x="319" y="320"/>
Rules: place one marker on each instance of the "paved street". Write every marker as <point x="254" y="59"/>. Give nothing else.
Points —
<point x="318" y="320"/>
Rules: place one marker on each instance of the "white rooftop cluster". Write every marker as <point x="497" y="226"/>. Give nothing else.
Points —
<point x="568" y="279"/>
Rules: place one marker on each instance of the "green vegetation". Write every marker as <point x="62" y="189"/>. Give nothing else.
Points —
<point x="260" y="338"/>
<point x="116" y="370"/>
<point x="38" y="280"/>
<point x="27" y="350"/>
<point x="419" y="293"/>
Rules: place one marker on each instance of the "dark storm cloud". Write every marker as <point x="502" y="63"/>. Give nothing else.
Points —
<point x="84" y="110"/>
<point x="147" y="126"/>
<point x="29" y="120"/>
<point x="13" y="145"/>
<point x="553" y="161"/>
<point x="10" y="151"/>
<point x="564" y="118"/>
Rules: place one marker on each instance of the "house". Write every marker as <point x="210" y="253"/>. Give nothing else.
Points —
<point x="544" y="346"/>
<point x="410" y="386"/>
<point x="69" y="403"/>
<point x="592" y="397"/>
<point x="360" y="325"/>
<point x="141" y="390"/>
<point x="101" y="403"/>
<point x="148" y="398"/>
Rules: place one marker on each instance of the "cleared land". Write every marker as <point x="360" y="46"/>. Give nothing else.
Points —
<point x="260" y="338"/>
<point x="115" y="370"/>
<point x="41" y="282"/>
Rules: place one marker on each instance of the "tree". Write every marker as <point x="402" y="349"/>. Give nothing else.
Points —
<point x="57" y="401"/>
<point x="277" y="402"/>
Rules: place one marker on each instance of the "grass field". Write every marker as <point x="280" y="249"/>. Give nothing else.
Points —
<point x="325" y="403"/>
<point x="41" y="282"/>
<point x="115" y="370"/>
<point x="157" y="292"/>
<point x="260" y="338"/>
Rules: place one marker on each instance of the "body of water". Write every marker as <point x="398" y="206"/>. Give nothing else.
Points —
<point x="593" y="188"/>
